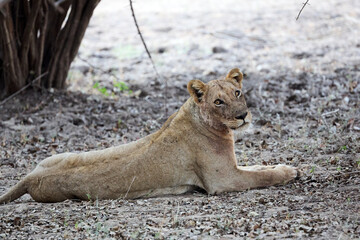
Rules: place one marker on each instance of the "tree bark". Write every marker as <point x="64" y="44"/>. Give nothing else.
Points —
<point x="40" y="36"/>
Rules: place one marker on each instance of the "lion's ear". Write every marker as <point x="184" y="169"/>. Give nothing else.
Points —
<point x="196" y="89"/>
<point x="236" y="75"/>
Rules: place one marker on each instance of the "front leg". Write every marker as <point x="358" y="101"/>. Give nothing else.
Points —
<point x="263" y="176"/>
<point x="256" y="167"/>
<point x="243" y="178"/>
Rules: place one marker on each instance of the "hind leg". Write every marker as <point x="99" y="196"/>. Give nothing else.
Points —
<point x="45" y="189"/>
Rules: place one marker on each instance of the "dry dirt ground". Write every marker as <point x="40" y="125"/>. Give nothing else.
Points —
<point x="302" y="85"/>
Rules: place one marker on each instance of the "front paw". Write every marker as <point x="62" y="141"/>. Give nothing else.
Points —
<point x="288" y="173"/>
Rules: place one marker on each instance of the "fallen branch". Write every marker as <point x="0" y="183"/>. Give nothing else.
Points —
<point x="304" y="4"/>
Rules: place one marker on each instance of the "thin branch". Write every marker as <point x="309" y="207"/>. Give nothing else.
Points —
<point x="142" y="39"/>
<point x="304" y="4"/>
<point x="22" y="89"/>
<point x="149" y="55"/>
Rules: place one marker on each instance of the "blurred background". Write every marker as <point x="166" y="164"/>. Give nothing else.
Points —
<point x="203" y="39"/>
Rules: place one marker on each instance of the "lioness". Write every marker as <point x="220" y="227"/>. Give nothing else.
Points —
<point x="194" y="148"/>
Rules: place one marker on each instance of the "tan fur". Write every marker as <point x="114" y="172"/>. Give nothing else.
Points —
<point x="194" y="148"/>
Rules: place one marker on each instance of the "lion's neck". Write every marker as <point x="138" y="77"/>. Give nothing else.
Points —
<point x="211" y="130"/>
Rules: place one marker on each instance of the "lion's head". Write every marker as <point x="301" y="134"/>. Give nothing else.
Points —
<point x="221" y="102"/>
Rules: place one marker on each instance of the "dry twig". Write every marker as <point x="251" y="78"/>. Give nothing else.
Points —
<point x="149" y="55"/>
<point x="304" y="4"/>
<point x="142" y="39"/>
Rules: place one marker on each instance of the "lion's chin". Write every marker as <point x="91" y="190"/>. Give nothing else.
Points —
<point x="243" y="126"/>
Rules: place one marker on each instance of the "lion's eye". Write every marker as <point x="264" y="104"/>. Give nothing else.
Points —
<point x="218" y="102"/>
<point x="237" y="93"/>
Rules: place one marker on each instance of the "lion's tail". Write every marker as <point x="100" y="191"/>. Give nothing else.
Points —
<point x="14" y="193"/>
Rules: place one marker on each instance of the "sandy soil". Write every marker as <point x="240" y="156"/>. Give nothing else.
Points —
<point x="302" y="86"/>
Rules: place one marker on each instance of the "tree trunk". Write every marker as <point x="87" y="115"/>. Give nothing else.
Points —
<point x="40" y="36"/>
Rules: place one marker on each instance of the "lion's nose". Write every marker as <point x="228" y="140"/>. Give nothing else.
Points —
<point x="242" y="116"/>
